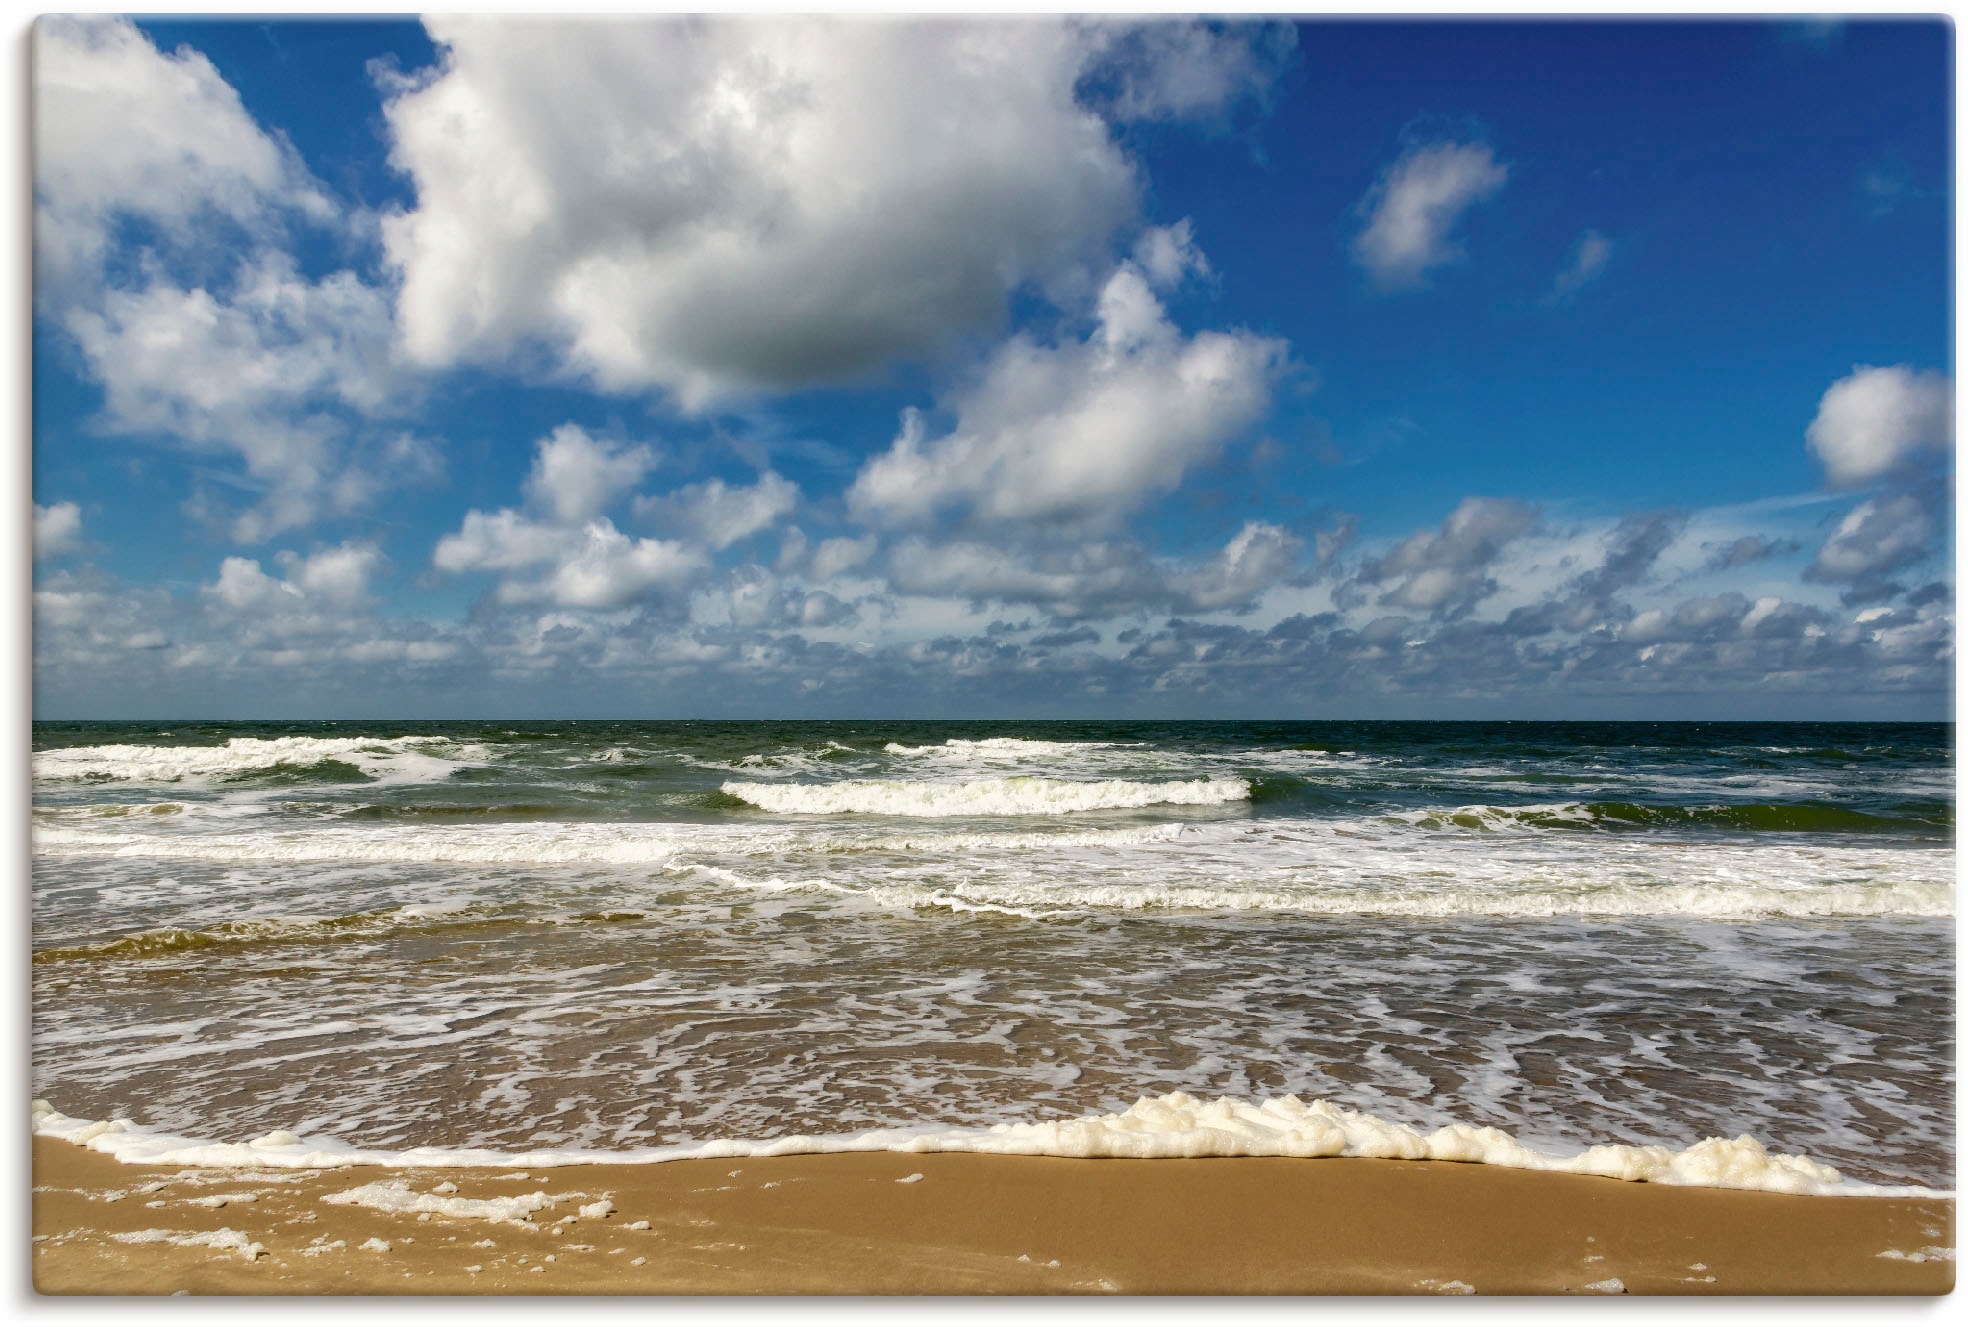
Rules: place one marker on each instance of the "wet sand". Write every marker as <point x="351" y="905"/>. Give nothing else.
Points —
<point x="858" y="1224"/>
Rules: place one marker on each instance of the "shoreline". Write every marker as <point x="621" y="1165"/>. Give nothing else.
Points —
<point x="949" y="1223"/>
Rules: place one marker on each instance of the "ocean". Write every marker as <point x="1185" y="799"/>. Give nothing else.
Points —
<point x="499" y="940"/>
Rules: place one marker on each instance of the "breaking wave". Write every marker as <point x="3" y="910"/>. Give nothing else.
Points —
<point x="1174" y="1125"/>
<point x="379" y="759"/>
<point x="1018" y="796"/>
<point x="1765" y="817"/>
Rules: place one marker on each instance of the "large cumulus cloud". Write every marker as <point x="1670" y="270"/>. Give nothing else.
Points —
<point x="740" y="205"/>
<point x="164" y="224"/>
<point x="124" y="132"/>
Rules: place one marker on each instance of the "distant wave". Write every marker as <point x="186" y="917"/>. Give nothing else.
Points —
<point x="382" y="759"/>
<point x="1770" y="817"/>
<point x="1174" y="1125"/>
<point x="1019" y="796"/>
<point x="774" y="762"/>
<point x="1009" y="747"/>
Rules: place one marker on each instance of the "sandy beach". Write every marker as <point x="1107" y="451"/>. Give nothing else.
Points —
<point x="952" y="1224"/>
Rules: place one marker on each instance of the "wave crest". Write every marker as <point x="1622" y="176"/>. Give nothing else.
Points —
<point x="382" y="759"/>
<point x="1763" y="817"/>
<point x="1018" y="796"/>
<point x="1173" y="1125"/>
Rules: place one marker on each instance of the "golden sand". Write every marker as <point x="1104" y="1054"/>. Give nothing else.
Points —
<point x="860" y="1223"/>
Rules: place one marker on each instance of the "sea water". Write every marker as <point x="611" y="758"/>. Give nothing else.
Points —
<point x="1562" y="945"/>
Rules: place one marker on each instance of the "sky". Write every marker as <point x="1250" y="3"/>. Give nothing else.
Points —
<point x="1033" y="367"/>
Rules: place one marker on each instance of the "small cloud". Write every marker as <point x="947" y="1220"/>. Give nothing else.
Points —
<point x="1883" y="191"/>
<point x="57" y="530"/>
<point x="1885" y="187"/>
<point x="1818" y="32"/>
<point x="1750" y="548"/>
<point x="575" y="477"/>
<point x="1416" y="203"/>
<point x="1588" y="260"/>
<point x="722" y="514"/>
<point x="329" y="579"/>
<point x="1876" y="423"/>
<point x="1166" y="254"/>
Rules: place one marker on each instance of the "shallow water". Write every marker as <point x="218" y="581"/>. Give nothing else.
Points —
<point x="623" y="935"/>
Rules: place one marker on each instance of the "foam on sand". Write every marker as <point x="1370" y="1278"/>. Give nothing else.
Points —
<point x="1175" y="1125"/>
<point x="1017" y="796"/>
<point x="224" y="1239"/>
<point x="398" y="1197"/>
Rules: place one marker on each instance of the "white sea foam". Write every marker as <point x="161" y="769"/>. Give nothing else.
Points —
<point x="391" y="760"/>
<point x="543" y="842"/>
<point x="1718" y="902"/>
<point x="224" y="1239"/>
<point x="1017" y="796"/>
<point x="1340" y="868"/>
<point x="397" y="1197"/>
<point x="1175" y="1125"/>
<point x="1012" y="748"/>
<point x="776" y="762"/>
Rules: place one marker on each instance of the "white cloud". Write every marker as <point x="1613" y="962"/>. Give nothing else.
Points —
<point x="1875" y="537"/>
<point x="1874" y="422"/>
<point x="741" y="205"/>
<point x="57" y="530"/>
<point x="1167" y="254"/>
<point x="583" y="561"/>
<point x="600" y="567"/>
<point x="576" y="477"/>
<point x="242" y="585"/>
<point x="835" y="556"/>
<point x="721" y="514"/>
<point x="277" y="370"/>
<point x="1711" y="615"/>
<point x="752" y="598"/>
<point x="1448" y="569"/>
<point x="1167" y="70"/>
<point x="338" y="576"/>
<point x="1416" y="203"/>
<point x="1098" y="577"/>
<point x="1259" y="556"/>
<point x="160" y="213"/>
<point x="121" y="129"/>
<point x="1588" y="260"/>
<point x="501" y="541"/>
<point x="328" y="580"/>
<point x="1083" y="430"/>
<point x="1070" y="581"/>
<point x="591" y="566"/>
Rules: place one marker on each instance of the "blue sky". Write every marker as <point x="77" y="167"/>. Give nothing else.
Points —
<point x="1033" y="367"/>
